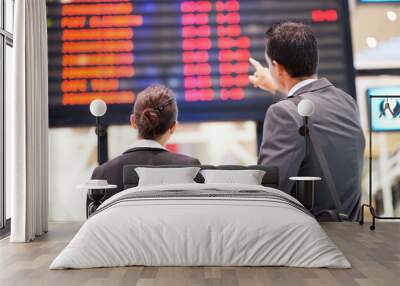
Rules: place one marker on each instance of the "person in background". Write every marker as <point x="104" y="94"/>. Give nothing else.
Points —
<point x="154" y="115"/>
<point x="292" y="56"/>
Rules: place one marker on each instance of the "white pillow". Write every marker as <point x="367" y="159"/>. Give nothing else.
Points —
<point x="248" y="177"/>
<point x="166" y="176"/>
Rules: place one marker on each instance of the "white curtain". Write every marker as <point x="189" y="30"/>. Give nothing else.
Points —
<point x="27" y="123"/>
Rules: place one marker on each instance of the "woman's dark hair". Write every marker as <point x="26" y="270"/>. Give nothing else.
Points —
<point x="294" y="46"/>
<point x="155" y="111"/>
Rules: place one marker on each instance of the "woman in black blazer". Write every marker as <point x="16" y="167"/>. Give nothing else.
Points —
<point x="155" y="117"/>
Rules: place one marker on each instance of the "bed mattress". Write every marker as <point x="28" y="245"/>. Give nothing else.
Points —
<point x="201" y="225"/>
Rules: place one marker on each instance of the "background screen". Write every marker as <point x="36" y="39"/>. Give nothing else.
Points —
<point x="379" y="1"/>
<point x="385" y="111"/>
<point x="200" y="49"/>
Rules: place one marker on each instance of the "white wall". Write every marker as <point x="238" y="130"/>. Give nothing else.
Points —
<point x="73" y="156"/>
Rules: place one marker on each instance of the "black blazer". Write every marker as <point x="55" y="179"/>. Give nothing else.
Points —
<point x="112" y="170"/>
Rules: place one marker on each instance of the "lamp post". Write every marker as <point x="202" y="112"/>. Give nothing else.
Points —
<point x="305" y="186"/>
<point x="98" y="108"/>
<point x="306" y="109"/>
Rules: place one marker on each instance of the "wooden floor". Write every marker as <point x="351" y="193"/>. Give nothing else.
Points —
<point x="375" y="257"/>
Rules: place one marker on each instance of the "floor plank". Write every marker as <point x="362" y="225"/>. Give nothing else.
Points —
<point x="375" y="257"/>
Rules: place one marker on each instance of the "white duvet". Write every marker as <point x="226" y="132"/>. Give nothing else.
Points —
<point x="191" y="231"/>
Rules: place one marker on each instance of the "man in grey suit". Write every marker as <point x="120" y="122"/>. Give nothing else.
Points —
<point x="292" y="56"/>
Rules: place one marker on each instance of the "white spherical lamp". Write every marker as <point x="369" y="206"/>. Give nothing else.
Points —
<point x="306" y="108"/>
<point x="98" y="107"/>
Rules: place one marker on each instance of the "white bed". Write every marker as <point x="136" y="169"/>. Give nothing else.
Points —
<point x="269" y="229"/>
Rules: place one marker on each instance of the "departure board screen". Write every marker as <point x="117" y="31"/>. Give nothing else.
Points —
<point x="200" y="49"/>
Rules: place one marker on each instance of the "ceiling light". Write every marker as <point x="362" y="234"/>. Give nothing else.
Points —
<point x="391" y="15"/>
<point x="372" y="42"/>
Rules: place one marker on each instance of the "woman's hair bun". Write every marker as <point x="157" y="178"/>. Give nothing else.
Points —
<point x="155" y="111"/>
<point x="150" y="117"/>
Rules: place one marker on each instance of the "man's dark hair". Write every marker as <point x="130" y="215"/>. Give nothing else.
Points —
<point x="294" y="46"/>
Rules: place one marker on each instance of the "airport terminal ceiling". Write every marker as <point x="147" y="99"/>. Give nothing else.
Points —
<point x="200" y="49"/>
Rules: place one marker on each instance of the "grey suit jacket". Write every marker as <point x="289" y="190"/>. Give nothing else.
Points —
<point x="337" y="125"/>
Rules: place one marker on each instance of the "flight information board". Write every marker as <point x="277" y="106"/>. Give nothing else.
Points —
<point x="200" y="49"/>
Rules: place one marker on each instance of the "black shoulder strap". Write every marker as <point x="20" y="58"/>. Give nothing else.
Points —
<point x="322" y="160"/>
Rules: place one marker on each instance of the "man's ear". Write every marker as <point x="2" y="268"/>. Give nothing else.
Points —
<point x="133" y="121"/>
<point x="173" y="128"/>
<point x="280" y="69"/>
